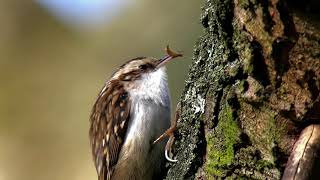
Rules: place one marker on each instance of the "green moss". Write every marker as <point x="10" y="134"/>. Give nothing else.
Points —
<point x="262" y="128"/>
<point x="254" y="24"/>
<point x="270" y="135"/>
<point x="243" y="86"/>
<point x="244" y="4"/>
<point x="242" y="45"/>
<point x="220" y="144"/>
<point x="247" y="58"/>
<point x="276" y="132"/>
<point x="249" y="164"/>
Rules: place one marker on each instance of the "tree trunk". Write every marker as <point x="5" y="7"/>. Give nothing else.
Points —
<point x="253" y="87"/>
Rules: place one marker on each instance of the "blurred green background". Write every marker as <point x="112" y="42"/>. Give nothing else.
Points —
<point x="52" y="65"/>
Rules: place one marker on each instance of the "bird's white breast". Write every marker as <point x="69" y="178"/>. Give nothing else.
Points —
<point x="150" y="117"/>
<point x="150" y="110"/>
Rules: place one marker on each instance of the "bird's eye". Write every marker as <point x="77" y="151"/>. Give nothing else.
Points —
<point x="143" y="66"/>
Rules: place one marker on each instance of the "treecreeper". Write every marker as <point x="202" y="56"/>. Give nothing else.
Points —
<point x="129" y="119"/>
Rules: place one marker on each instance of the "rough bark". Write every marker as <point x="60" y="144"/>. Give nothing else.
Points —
<point x="252" y="88"/>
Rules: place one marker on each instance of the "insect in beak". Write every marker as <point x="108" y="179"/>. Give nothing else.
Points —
<point x="170" y="55"/>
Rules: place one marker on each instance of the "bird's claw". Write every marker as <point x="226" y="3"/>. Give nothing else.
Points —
<point x="169" y="133"/>
<point x="167" y="151"/>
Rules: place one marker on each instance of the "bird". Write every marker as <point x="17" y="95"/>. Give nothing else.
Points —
<point x="128" y="119"/>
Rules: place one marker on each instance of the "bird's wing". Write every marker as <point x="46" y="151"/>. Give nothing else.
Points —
<point x="109" y="122"/>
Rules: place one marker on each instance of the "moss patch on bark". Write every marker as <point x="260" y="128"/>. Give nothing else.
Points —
<point x="220" y="144"/>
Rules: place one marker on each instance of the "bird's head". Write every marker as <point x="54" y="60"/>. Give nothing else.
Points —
<point x="140" y="67"/>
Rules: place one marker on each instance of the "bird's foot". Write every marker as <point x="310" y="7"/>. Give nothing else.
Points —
<point x="170" y="133"/>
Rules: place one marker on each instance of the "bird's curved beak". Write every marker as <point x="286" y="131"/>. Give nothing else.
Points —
<point x="170" y="55"/>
